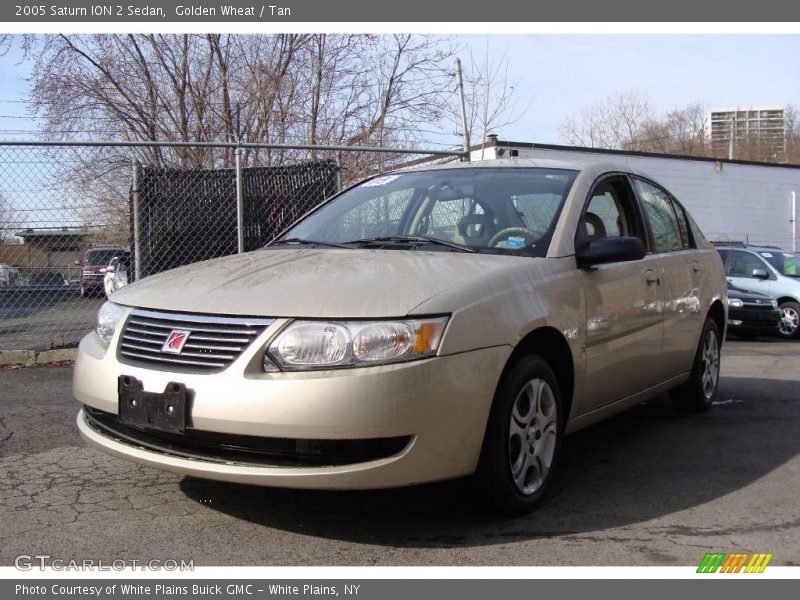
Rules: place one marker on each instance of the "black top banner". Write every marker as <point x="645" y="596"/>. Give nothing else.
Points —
<point x="452" y="11"/>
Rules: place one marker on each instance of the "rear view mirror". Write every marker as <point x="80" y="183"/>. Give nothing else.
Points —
<point x="760" y="274"/>
<point x="610" y="249"/>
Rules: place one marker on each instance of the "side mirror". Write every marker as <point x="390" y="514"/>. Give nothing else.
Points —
<point x="760" y="274"/>
<point x="610" y="249"/>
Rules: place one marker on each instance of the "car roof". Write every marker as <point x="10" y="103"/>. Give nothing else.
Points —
<point x="531" y="163"/>
<point x="752" y="248"/>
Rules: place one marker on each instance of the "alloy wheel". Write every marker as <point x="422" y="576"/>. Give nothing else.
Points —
<point x="790" y="320"/>
<point x="532" y="435"/>
<point x="710" y="364"/>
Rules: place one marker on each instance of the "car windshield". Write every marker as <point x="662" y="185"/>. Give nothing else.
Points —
<point x="477" y="209"/>
<point x="786" y="263"/>
<point x="100" y="257"/>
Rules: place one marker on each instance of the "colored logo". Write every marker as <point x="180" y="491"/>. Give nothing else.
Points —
<point x="744" y="562"/>
<point x="175" y="341"/>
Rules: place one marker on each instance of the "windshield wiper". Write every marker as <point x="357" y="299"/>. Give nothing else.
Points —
<point x="304" y="242"/>
<point x="419" y="238"/>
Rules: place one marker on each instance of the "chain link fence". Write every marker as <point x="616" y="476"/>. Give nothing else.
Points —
<point x="78" y="221"/>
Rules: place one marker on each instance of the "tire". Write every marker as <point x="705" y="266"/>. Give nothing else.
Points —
<point x="789" y="327"/>
<point x="522" y="439"/>
<point x="697" y="394"/>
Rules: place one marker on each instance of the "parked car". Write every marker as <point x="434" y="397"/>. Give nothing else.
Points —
<point x="9" y="276"/>
<point x="116" y="275"/>
<point x="420" y="326"/>
<point x="47" y="278"/>
<point x="750" y="314"/>
<point x="93" y="268"/>
<point x="770" y="271"/>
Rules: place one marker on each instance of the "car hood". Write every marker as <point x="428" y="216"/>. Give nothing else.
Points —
<point x="741" y="294"/>
<point x="329" y="283"/>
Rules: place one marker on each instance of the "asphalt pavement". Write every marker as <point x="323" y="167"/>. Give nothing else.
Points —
<point x="647" y="487"/>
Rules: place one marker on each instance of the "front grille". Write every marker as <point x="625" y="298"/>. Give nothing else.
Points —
<point x="246" y="449"/>
<point x="212" y="343"/>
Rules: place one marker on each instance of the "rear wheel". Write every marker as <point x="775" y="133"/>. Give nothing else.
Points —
<point x="697" y="394"/>
<point x="789" y="326"/>
<point x="523" y="437"/>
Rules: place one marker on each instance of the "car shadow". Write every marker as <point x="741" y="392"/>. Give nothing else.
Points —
<point x="639" y="465"/>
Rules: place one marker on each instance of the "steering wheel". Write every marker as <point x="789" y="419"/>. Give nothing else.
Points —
<point x="529" y="235"/>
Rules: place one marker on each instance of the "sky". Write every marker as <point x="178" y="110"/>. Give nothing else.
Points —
<point x="560" y="75"/>
<point x="564" y="74"/>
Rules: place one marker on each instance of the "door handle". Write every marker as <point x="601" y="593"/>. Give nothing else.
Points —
<point x="651" y="278"/>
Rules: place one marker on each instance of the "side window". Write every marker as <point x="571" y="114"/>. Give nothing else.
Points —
<point x="609" y="212"/>
<point x="723" y="254"/>
<point x="658" y="211"/>
<point x="683" y="224"/>
<point x="743" y="264"/>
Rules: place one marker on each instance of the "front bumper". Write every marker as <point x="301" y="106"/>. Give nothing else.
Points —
<point x="440" y="405"/>
<point x="750" y="320"/>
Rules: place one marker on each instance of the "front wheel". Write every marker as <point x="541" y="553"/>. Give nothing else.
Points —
<point x="697" y="394"/>
<point x="523" y="437"/>
<point x="789" y="326"/>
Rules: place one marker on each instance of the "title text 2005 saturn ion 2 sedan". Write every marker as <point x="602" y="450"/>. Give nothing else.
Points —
<point x="420" y="326"/>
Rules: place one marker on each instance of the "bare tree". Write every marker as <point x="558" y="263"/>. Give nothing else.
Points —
<point x="680" y="131"/>
<point x="612" y="123"/>
<point x="490" y="97"/>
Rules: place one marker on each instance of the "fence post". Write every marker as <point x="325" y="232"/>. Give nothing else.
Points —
<point x="137" y="248"/>
<point x="338" y="172"/>
<point x="239" y="203"/>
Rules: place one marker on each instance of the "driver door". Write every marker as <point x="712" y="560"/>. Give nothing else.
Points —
<point x="624" y="325"/>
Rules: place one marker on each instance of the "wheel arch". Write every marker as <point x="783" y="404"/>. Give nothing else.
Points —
<point x="549" y="343"/>
<point x="717" y="312"/>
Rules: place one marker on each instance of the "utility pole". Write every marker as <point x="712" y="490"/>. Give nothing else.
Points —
<point x="464" y="130"/>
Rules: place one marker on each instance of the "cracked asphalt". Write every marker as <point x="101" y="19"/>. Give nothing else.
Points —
<point x="644" y="488"/>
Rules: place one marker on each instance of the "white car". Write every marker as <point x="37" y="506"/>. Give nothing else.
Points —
<point x="116" y="274"/>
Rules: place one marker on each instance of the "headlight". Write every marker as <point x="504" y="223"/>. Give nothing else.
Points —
<point x="324" y="345"/>
<point x="107" y="319"/>
<point x="735" y="303"/>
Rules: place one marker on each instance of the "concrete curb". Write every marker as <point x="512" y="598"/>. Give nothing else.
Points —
<point x="33" y="358"/>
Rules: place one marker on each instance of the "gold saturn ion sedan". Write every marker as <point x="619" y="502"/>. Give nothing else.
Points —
<point x="422" y="325"/>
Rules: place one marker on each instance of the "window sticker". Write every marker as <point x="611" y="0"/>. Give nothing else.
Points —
<point x="766" y="254"/>
<point x="379" y="181"/>
<point x="515" y="242"/>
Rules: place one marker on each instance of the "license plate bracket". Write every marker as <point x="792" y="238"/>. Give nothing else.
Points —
<point x="164" y="411"/>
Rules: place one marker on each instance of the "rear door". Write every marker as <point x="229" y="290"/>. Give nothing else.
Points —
<point x="682" y="271"/>
<point x="624" y="328"/>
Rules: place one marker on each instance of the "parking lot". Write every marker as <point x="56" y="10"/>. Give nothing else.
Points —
<point x="644" y="488"/>
<point x="41" y="319"/>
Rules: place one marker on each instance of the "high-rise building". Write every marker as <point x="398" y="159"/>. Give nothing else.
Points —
<point x="729" y="127"/>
